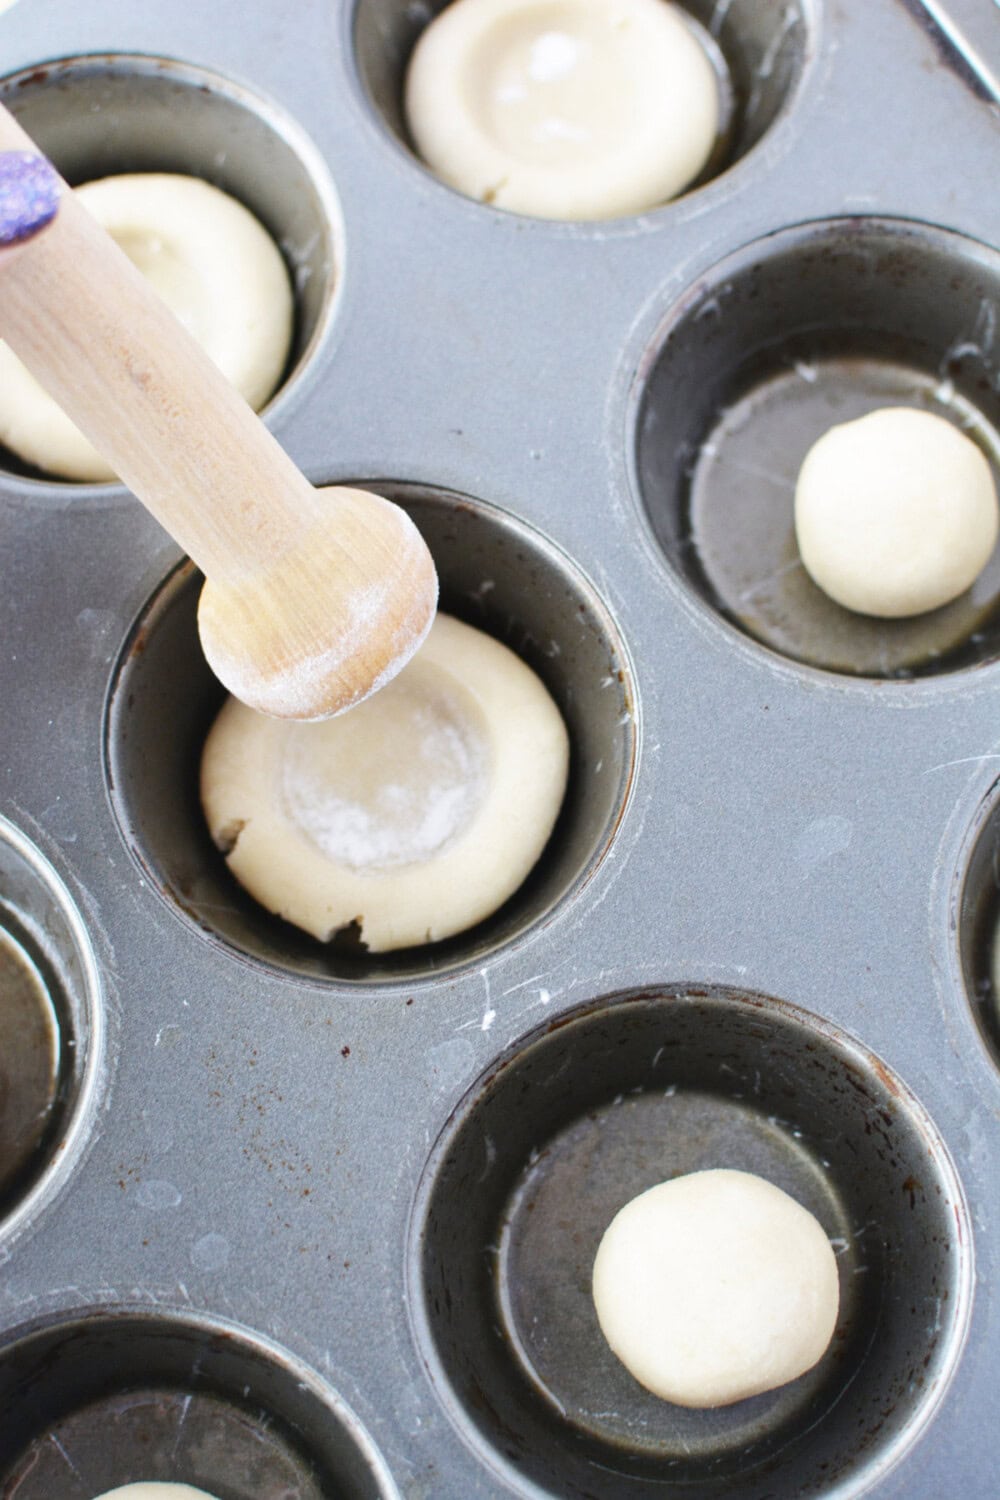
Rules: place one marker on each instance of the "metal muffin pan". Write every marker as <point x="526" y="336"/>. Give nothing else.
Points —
<point x="305" y="1222"/>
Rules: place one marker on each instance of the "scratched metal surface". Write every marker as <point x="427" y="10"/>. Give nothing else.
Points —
<point x="250" y="1167"/>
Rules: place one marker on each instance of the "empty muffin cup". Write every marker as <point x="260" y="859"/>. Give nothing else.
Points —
<point x="102" y="1398"/>
<point x="496" y="574"/>
<point x="759" y="54"/>
<point x="976" y="919"/>
<point x="51" y="1033"/>
<point x="806" y="329"/>
<point x="632" y="1090"/>
<point x="103" y="115"/>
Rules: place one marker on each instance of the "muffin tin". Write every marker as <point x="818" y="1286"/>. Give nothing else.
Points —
<point x="284" y="1220"/>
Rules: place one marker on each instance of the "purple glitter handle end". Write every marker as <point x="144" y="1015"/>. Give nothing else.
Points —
<point x="29" y="195"/>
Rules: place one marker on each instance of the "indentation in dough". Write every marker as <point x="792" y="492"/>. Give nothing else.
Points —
<point x="549" y="95"/>
<point x="408" y="819"/>
<point x="161" y="260"/>
<point x="418" y="782"/>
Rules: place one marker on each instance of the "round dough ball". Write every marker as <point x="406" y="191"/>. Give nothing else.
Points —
<point x="216" y="268"/>
<point x="415" y="815"/>
<point x="154" y="1489"/>
<point x="895" y="513"/>
<point x="715" y="1286"/>
<point x="564" y="109"/>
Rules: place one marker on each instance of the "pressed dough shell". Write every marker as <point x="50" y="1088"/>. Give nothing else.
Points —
<point x="223" y="277"/>
<point x="504" y="706"/>
<point x="660" y="99"/>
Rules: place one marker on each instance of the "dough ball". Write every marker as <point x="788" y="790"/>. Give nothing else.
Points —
<point x="895" y="513"/>
<point x="415" y="815"/>
<point x="715" y="1286"/>
<point x="153" y="1489"/>
<point x="564" y="109"/>
<point x="216" y="268"/>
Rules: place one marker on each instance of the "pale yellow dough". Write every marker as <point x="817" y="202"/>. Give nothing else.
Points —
<point x="895" y="513"/>
<point x="414" y="815"/>
<point x="219" y="272"/>
<point x="154" y="1489"/>
<point x="563" y="109"/>
<point x="715" y="1286"/>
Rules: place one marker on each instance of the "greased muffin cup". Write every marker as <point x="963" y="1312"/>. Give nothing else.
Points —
<point x="116" y="1390"/>
<point x="294" y="1219"/>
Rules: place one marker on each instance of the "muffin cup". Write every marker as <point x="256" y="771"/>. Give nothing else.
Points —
<point x="51" y="1034"/>
<point x="115" y="1395"/>
<point x="810" y="327"/>
<point x="496" y="574"/>
<point x="759" y="53"/>
<point x="604" y="1103"/>
<point x="102" y="115"/>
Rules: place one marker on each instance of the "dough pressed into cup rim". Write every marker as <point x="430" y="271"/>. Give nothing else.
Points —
<point x="216" y="267"/>
<point x="716" y="1286"/>
<point x="661" y="105"/>
<point x="266" y="803"/>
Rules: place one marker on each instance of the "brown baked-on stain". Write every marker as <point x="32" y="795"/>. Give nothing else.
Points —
<point x="890" y="1084"/>
<point x="912" y="1186"/>
<point x="139" y="641"/>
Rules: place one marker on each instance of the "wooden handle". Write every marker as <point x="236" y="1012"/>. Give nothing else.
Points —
<point x="86" y="323"/>
<point x="314" y="598"/>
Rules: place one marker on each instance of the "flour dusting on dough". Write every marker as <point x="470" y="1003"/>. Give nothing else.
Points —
<point x="418" y="786"/>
